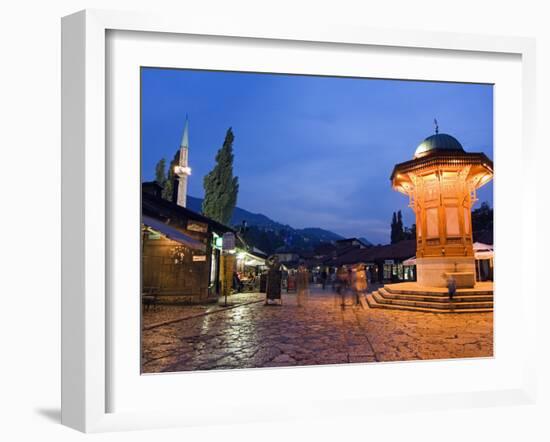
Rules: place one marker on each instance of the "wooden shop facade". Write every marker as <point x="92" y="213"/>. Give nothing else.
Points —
<point x="180" y="250"/>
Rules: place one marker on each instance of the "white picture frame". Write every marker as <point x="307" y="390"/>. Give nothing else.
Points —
<point x="86" y="356"/>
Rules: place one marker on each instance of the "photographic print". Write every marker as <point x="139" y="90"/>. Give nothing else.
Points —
<point x="302" y="220"/>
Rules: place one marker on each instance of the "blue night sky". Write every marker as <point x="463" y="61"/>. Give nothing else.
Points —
<point x="310" y="151"/>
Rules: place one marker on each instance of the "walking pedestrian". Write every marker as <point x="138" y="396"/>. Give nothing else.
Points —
<point x="342" y="284"/>
<point x="359" y="282"/>
<point x="302" y="285"/>
<point x="273" y="283"/>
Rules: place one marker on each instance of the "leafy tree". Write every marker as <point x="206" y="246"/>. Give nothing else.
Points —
<point x="164" y="180"/>
<point x="169" y="182"/>
<point x="220" y="186"/>
<point x="160" y="172"/>
<point x="398" y="231"/>
<point x="482" y="218"/>
<point x="409" y="232"/>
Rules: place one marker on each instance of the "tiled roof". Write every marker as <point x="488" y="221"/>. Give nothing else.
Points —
<point x="399" y="251"/>
<point x="160" y="208"/>
<point x="445" y="157"/>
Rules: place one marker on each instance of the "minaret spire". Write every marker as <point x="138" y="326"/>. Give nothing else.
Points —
<point x="185" y="137"/>
<point x="182" y="170"/>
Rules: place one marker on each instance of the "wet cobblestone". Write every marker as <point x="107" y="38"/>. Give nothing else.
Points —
<point x="162" y="313"/>
<point x="255" y="335"/>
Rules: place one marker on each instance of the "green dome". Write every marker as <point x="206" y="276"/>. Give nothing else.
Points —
<point x="437" y="143"/>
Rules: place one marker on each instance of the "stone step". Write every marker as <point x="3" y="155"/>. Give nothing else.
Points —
<point x="430" y="298"/>
<point x="442" y="292"/>
<point x="373" y="301"/>
<point x="433" y="305"/>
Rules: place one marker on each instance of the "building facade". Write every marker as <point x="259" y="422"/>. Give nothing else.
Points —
<point x="181" y="250"/>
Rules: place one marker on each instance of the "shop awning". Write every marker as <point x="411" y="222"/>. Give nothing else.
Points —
<point x="250" y="259"/>
<point x="480" y="246"/>
<point x="172" y="233"/>
<point x="410" y="261"/>
<point x="483" y="251"/>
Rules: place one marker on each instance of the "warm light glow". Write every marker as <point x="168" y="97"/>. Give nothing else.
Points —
<point x="485" y="179"/>
<point x="182" y="170"/>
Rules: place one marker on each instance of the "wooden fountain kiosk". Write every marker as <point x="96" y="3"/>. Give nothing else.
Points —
<point x="441" y="182"/>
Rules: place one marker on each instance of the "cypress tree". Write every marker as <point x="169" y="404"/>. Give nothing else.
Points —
<point x="393" y="234"/>
<point x="160" y="175"/>
<point x="220" y="186"/>
<point x="400" y="233"/>
<point x="169" y="182"/>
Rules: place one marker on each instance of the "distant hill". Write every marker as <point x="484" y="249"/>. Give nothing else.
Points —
<point x="319" y="234"/>
<point x="239" y="215"/>
<point x="269" y="235"/>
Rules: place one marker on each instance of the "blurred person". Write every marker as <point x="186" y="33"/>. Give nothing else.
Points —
<point x="324" y="278"/>
<point x="302" y="285"/>
<point x="359" y="282"/>
<point x="274" y="279"/>
<point x="451" y="287"/>
<point x="342" y="284"/>
<point x="237" y="283"/>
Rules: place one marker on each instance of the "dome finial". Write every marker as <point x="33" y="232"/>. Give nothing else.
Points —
<point x="436" y="126"/>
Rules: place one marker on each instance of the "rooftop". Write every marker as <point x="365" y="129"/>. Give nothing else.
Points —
<point x="438" y="143"/>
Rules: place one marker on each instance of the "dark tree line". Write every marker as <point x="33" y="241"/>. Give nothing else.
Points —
<point x="267" y="240"/>
<point x="398" y="231"/>
<point x="482" y="218"/>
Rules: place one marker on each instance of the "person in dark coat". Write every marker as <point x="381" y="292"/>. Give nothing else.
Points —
<point x="274" y="276"/>
<point x="237" y="283"/>
<point x="451" y="286"/>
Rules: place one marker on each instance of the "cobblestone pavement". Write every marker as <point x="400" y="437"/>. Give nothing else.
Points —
<point x="322" y="332"/>
<point x="163" y="313"/>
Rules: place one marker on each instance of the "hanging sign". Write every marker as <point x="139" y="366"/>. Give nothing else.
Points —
<point x="197" y="227"/>
<point x="199" y="258"/>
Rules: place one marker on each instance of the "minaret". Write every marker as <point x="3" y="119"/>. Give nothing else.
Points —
<point x="182" y="171"/>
